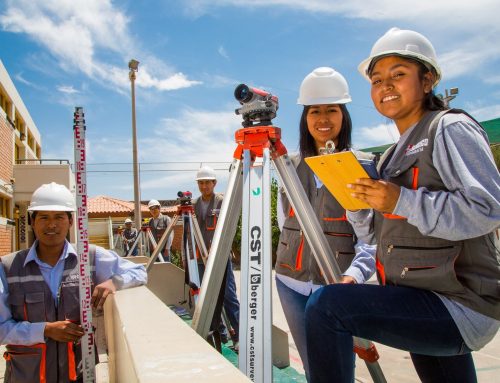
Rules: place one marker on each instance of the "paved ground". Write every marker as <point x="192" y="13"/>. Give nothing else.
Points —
<point x="396" y="364"/>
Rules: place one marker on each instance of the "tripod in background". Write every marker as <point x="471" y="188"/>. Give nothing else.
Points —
<point x="192" y="239"/>
<point x="147" y="235"/>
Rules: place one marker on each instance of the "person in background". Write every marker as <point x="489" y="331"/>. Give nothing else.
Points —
<point x="158" y="224"/>
<point x="207" y="208"/>
<point x="324" y="94"/>
<point x="39" y="293"/>
<point x="433" y="215"/>
<point x="129" y="235"/>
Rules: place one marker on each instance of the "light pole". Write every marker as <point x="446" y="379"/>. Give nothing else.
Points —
<point x="449" y="96"/>
<point x="133" y="66"/>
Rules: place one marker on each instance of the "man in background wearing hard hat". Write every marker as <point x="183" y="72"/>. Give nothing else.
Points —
<point x="158" y="225"/>
<point x="129" y="235"/>
<point x="207" y="208"/>
<point x="39" y="293"/>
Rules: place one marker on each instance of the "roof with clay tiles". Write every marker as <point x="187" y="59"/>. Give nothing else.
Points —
<point x="108" y="206"/>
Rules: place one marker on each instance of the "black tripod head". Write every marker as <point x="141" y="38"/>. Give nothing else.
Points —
<point x="258" y="107"/>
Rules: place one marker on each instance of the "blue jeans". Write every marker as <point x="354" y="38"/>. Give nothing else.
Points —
<point x="401" y="317"/>
<point x="231" y="303"/>
<point x="294" y="307"/>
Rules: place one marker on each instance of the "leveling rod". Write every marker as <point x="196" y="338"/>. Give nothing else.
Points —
<point x="82" y="246"/>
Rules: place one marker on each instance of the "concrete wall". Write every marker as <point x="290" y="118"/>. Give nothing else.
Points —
<point x="147" y="342"/>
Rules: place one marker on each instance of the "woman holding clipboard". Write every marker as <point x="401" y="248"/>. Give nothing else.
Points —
<point x="434" y="213"/>
<point x="324" y="94"/>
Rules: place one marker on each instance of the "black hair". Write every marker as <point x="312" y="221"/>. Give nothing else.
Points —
<point x="307" y="146"/>
<point x="431" y="101"/>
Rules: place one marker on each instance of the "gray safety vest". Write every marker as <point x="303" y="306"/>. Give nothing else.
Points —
<point x="207" y="225"/>
<point x="30" y="299"/>
<point x="160" y="228"/>
<point x="130" y="234"/>
<point x="294" y="256"/>
<point x="467" y="271"/>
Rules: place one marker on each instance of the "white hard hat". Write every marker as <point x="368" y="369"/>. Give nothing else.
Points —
<point x="153" y="202"/>
<point x="406" y="43"/>
<point x="206" y="173"/>
<point x="324" y="86"/>
<point x="52" y="197"/>
<point x="128" y="220"/>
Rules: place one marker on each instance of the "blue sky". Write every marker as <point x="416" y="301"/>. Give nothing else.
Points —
<point x="66" y="53"/>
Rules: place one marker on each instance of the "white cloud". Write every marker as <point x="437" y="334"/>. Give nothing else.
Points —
<point x="68" y="89"/>
<point x="78" y="32"/>
<point x="192" y="139"/>
<point x="176" y="81"/>
<point x="222" y="52"/>
<point x="424" y="11"/>
<point x="195" y="137"/>
<point x="19" y="77"/>
<point x="464" y="32"/>
<point x="370" y="136"/>
<point x="218" y="81"/>
<point x="484" y="112"/>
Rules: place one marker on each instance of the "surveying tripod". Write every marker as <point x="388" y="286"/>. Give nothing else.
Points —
<point x="192" y="238"/>
<point x="250" y="185"/>
<point x="145" y="230"/>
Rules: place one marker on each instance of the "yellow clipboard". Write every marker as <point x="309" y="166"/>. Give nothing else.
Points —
<point x="336" y="170"/>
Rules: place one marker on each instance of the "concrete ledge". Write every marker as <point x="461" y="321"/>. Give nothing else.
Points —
<point x="147" y="342"/>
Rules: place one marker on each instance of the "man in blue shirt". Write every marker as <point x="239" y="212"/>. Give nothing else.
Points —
<point x="39" y="292"/>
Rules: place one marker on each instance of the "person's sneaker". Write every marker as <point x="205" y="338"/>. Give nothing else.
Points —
<point x="236" y="346"/>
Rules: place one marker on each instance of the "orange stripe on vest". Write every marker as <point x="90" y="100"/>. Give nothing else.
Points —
<point x="298" y="261"/>
<point x="415" y="179"/>
<point x="393" y="216"/>
<point x="381" y="271"/>
<point x="343" y="218"/>
<point x="71" y="362"/>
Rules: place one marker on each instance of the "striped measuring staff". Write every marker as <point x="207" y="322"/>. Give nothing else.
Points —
<point x="87" y="341"/>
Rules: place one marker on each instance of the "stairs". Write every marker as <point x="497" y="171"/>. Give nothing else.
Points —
<point x="100" y="240"/>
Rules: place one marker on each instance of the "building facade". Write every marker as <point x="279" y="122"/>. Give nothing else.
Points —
<point x="19" y="142"/>
<point x="22" y="169"/>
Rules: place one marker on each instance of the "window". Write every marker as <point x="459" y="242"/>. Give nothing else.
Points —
<point x="31" y="141"/>
<point x="4" y="207"/>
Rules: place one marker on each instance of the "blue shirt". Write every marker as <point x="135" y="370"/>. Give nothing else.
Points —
<point x="107" y="264"/>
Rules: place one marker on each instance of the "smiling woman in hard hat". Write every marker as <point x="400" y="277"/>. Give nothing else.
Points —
<point x="324" y="94"/>
<point x="434" y="214"/>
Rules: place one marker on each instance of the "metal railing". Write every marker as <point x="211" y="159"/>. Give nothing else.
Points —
<point x="40" y="161"/>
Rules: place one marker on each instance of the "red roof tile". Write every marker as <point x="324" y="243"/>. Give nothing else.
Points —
<point x="116" y="207"/>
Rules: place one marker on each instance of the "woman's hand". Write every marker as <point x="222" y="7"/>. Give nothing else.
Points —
<point x="347" y="279"/>
<point x="380" y="195"/>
